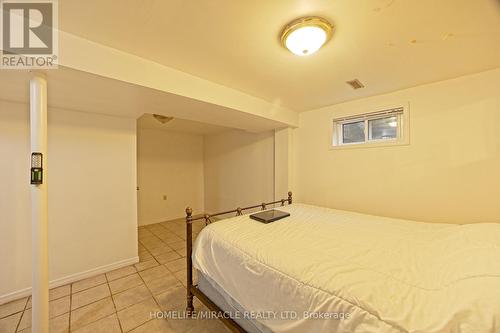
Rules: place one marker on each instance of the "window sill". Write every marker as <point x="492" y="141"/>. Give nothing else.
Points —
<point x="370" y="145"/>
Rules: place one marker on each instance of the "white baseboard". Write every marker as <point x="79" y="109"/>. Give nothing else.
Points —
<point x="159" y="220"/>
<point x="152" y="221"/>
<point x="70" y="278"/>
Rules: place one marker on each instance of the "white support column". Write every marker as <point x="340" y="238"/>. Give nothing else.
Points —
<point x="39" y="214"/>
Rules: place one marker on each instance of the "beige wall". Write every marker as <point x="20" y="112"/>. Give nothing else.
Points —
<point x="450" y="172"/>
<point x="168" y="163"/>
<point x="239" y="169"/>
<point x="282" y="162"/>
<point x="92" y="200"/>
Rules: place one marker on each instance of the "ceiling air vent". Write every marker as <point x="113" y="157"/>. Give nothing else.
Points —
<point x="355" y="84"/>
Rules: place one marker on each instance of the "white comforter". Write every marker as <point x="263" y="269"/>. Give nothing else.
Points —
<point x="389" y="275"/>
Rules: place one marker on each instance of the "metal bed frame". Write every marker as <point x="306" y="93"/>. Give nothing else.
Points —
<point x="193" y="290"/>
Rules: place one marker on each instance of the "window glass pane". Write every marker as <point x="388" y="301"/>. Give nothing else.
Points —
<point x="353" y="132"/>
<point x="383" y="128"/>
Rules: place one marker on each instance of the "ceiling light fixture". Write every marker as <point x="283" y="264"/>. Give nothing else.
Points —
<point x="162" y="119"/>
<point x="306" y="35"/>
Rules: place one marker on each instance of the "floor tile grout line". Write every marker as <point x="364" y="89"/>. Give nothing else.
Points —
<point x="13" y="313"/>
<point x="71" y="293"/>
<point x="50" y="318"/>
<point x="123" y="276"/>
<point x="79" y="291"/>
<point x="181" y="254"/>
<point x="128" y="306"/>
<point x="70" y="285"/>
<point x="147" y="250"/>
<point x="173" y="273"/>
<point x="114" y="304"/>
<point x="10" y="314"/>
<point x="50" y="300"/>
<point x="154" y="299"/>
<point x="70" y="304"/>
<point x="121" y="291"/>
<point x="81" y="306"/>
<point x="143" y="325"/>
<point x="93" y="320"/>
<point x="22" y="314"/>
<point x="112" y="300"/>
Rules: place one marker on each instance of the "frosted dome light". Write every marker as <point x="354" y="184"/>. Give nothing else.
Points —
<point x="306" y="35"/>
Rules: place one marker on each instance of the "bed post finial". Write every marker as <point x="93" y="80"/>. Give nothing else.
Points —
<point x="289" y="197"/>
<point x="189" y="250"/>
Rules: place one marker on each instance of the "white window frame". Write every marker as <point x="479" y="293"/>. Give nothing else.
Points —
<point x="401" y="113"/>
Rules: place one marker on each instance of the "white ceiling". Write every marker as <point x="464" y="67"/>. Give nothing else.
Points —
<point x="387" y="44"/>
<point x="79" y="91"/>
<point x="147" y="121"/>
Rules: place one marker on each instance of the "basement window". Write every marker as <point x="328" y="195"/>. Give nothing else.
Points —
<point x="375" y="128"/>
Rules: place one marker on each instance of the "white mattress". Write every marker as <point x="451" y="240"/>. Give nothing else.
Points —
<point x="389" y="275"/>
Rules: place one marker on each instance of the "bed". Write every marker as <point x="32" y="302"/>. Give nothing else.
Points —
<point x="326" y="270"/>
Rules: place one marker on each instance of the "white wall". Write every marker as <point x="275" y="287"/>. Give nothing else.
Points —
<point x="92" y="197"/>
<point x="239" y="169"/>
<point x="168" y="163"/>
<point x="283" y="153"/>
<point x="450" y="172"/>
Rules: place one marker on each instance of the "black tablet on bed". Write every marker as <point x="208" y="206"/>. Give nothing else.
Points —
<point x="269" y="216"/>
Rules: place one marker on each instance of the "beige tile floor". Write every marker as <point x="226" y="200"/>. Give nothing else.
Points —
<point x="121" y="300"/>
